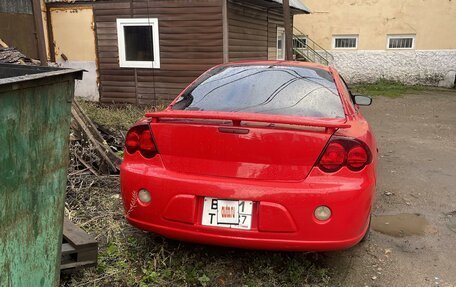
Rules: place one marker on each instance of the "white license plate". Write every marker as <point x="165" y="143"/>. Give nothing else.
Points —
<point x="227" y="213"/>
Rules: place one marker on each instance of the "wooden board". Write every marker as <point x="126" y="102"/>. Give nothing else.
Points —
<point x="79" y="249"/>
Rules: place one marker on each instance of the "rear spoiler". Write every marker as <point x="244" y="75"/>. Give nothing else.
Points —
<point x="237" y="118"/>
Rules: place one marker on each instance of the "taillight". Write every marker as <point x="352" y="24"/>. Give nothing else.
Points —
<point x="333" y="158"/>
<point x="348" y="152"/>
<point x="357" y="158"/>
<point x="139" y="138"/>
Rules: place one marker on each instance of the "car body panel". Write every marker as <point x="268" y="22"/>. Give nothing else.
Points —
<point x="266" y="165"/>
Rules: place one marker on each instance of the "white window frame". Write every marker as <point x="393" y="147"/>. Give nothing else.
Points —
<point x="302" y="38"/>
<point x="282" y="30"/>
<point x="397" y="36"/>
<point x="356" y="37"/>
<point x="153" y="22"/>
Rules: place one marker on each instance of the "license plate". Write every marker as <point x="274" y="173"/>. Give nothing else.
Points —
<point x="227" y="213"/>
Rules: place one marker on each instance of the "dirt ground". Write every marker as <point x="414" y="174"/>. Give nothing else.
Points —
<point x="416" y="135"/>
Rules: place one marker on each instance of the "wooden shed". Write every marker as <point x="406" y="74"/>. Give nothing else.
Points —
<point x="148" y="51"/>
<point x="17" y="26"/>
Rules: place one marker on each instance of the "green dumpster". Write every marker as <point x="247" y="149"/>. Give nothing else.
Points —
<point x="35" y="105"/>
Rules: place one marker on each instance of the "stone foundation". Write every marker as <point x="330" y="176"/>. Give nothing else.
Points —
<point x="425" y="67"/>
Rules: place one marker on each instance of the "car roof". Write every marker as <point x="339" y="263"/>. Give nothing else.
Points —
<point x="279" y="63"/>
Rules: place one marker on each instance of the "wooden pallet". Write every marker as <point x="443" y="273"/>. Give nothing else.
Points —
<point x="79" y="250"/>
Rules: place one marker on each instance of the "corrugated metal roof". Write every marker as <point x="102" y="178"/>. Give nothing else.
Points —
<point x="297" y="4"/>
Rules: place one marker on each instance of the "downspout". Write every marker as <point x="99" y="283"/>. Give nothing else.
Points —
<point x="225" y="32"/>
<point x="288" y="31"/>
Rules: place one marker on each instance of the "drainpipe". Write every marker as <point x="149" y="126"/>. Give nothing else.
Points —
<point x="39" y="31"/>
<point x="225" y="31"/>
<point x="288" y="31"/>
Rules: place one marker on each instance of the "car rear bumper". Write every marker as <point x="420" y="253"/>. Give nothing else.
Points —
<point x="283" y="214"/>
<point x="245" y="241"/>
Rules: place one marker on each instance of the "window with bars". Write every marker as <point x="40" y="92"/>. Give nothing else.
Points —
<point x="345" y="42"/>
<point x="401" y="42"/>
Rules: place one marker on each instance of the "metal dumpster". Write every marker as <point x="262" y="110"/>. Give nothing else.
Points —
<point x="35" y="104"/>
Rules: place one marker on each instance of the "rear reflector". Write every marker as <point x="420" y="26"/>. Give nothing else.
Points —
<point x="322" y="213"/>
<point x="139" y="138"/>
<point x="342" y="151"/>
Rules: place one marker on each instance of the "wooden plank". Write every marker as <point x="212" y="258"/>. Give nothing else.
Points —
<point x="113" y="11"/>
<point x="242" y="36"/>
<point x="171" y="18"/>
<point x="211" y="62"/>
<point x="77" y="265"/>
<point x="78" y="248"/>
<point x="176" y="4"/>
<point x="111" y="5"/>
<point x="259" y="44"/>
<point x="112" y="36"/>
<point x="108" y="49"/>
<point x="167" y="73"/>
<point x="247" y="48"/>
<point x="187" y="41"/>
<point x="237" y="23"/>
<point x="120" y="89"/>
<point x="92" y="134"/>
<point x="119" y="72"/>
<point x="249" y="55"/>
<point x="192" y="55"/>
<point x="248" y="31"/>
<point x="185" y="49"/>
<point x="121" y="81"/>
<point x="67" y="249"/>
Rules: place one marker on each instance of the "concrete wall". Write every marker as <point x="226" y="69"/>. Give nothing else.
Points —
<point x="426" y="67"/>
<point x="74" y="40"/>
<point x="432" y="21"/>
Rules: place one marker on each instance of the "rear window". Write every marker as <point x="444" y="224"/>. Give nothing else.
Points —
<point x="280" y="90"/>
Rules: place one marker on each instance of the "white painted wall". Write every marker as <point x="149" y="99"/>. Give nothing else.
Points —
<point x="88" y="87"/>
<point x="425" y="67"/>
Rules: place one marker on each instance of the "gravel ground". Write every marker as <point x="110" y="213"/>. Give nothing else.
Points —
<point x="416" y="135"/>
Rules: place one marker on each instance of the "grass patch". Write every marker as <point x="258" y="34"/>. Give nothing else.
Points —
<point x="384" y="88"/>
<point x="115" y="116"/>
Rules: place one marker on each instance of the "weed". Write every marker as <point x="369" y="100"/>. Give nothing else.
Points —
<point x="115" y="116"/>
<point x="384" y="88"/>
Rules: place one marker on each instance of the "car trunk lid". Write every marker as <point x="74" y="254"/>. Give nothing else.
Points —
<point x="240" y="145"/>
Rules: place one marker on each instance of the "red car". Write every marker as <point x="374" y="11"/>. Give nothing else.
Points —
<point x="261" y="155"/>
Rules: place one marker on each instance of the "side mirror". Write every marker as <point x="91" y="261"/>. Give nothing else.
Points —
<point x="362" y="100"/>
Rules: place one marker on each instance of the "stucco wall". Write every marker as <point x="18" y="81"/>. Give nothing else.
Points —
<point x="73" y="33"/>
<point x="411" y="67"/>
<point x="431" y="20"/>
